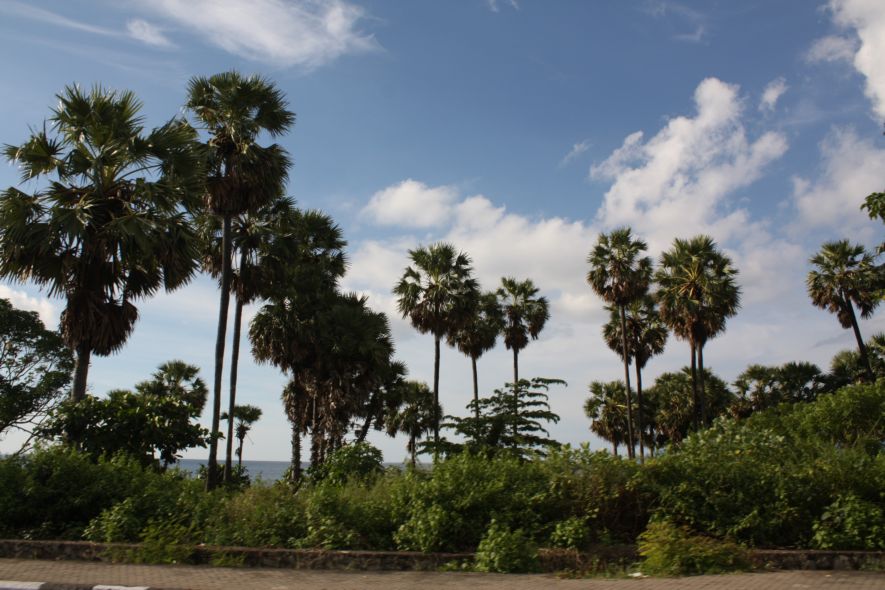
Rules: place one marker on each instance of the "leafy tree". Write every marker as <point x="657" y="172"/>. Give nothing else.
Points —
<point x="672" y="396"/>
<point x="511" y="418"/>
<point x="243" y="176"/>
<point x="245" y="417"/>
<point x="646" y="337"/>
<point x="107" y="227"/>
<point x="845" y="275"/>
<point x="480" y="334"/>
<point x="697" y="293"/>
<point x="846" y="366"/>
<point x="438" y="293"/>
<point x="760" y="387"/>
<point x="525" y="314"/>
<point x="35" y="368"/>
<point x="412" y="414"/>
<point x="155" y="422"/>
<point x="619" y="274"/>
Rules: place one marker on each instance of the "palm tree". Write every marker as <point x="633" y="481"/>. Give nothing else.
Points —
<point x="607" y="410"/>
<point x="438" y="294"/>
<point x="619" y="274"/>
<point x="479" y="335"/>
<point x="245" y="417"/>
<point x="413" y="415"/>
<point x="243" y="176"/>
<point x="846" y="275"/>
<point x="525" y="314"/>
<point x="646" y="337"/>
<point x="697" y="293"/>
<point x="108" y="227"/>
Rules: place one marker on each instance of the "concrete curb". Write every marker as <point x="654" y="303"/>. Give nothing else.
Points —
<point x="17" y="585"/>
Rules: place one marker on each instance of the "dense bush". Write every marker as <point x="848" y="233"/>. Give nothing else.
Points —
<point x="766" y="480"/>
<point x="504" y="550"/>
<point x="670" y="550"/>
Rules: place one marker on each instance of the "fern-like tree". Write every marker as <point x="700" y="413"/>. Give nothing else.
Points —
<point x="697" y="293"/>
<point x="620" y="274"/>
<point x="107" y="225"/>
<point x="844" y="276"/>
<point x="646" y="337"/>
<point x="438" y="293"/>
<point x="479" y="335"/>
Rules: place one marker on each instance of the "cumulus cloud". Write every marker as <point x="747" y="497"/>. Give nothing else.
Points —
<point x="412" y="204"/>
<point x="147" y="33"/>
<point x="867" y="19"/>
<point x="676" y="182"/>
<point x="772" y="93"/>
<point x="46" y="309"/>
<point x="850" y="169"/>
<point x="301" y="33"/>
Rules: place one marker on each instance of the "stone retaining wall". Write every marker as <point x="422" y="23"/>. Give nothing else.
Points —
<point x="550" y="559"/>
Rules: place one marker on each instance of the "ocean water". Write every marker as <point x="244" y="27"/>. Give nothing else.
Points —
<point x="266" y="470"/>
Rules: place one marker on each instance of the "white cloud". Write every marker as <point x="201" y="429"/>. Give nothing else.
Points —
<point x="574" y="153"/>
<point x="831" y="48"/>
<point x="301" y="33"/>
<point x="772" y="93"/>
<point x="48" y="311"/>
<point x="147" y="33"/>
<point x="412" y="204"/>
<point x="850" y="169"/>
<point x="493" y="5"/>
<point x="676" y="182"/>
<point x="867" y="19"/>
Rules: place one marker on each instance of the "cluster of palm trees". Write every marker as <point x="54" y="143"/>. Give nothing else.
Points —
<point x="692" y="293"/>
<point x="440" y="296"/>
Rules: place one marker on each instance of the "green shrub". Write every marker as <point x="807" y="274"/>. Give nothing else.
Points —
<point x="670" y="550"/>
<point x="505" y="550"/>
<point x="165" y="542"/>
<point x="571" y="533"/>
<point x="258" y="516"/>
<point x="850" y="523"/>
<point x="359" y="461"/>
<point x="450" y="508"/>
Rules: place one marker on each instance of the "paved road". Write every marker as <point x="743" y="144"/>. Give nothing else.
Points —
<point x="209" y="578"/>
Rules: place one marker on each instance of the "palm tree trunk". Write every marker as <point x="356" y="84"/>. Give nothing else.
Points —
<point x="361" y="435"/>
<point x="212" y="471"/>
<point x="515" y="391"/>
<point x="639" y="412"/>
<point x="631" y="440"/>
<point x="240" y="452"/>
<point x="413" y="443"/>
<point x="861" y="347"/>
<point x="295" y="471"/>
<point x="694" y="386"/>
<point x="234" y="361"/>
<point x="436" y="339"/>
<point x="615" y="447"/>
<point x="701" y="385"/>
<point x="84" y="353"/>
<point x="475" y="388"/>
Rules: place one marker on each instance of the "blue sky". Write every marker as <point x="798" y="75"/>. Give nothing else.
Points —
<point x="518" y="130"/>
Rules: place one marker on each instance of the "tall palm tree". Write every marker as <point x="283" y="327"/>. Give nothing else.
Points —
<point x="243" y="175"/>
<point x="846" y="275"/>
<point x="619" y="274"/>
<point x="108" y="226"/>
<point x="479" y="335"/>
<point x="245" y="417"/>
<point x="697" y="293"/>
<point x="646" y="337"/>
<point x="525" y="314"/>
<point x="413" y="416"/>
<point x="437" y="292"/>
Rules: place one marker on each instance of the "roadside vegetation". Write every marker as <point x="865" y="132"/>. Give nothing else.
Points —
<point x="700" y="470"/>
